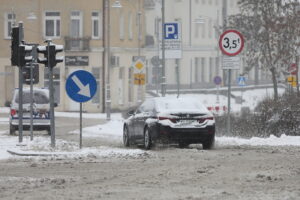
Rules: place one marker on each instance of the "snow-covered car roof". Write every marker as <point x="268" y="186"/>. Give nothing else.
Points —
<point x="181" y="104"/>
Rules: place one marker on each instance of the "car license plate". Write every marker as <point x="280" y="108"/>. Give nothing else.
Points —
<point x="186" y="122"/>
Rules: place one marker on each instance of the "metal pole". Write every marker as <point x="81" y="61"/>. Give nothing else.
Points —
<point x="163" y="84"/>
<point x="80" y="136"/>
<point x="190" y="23"/>
<point x="31" y="102"/>
<point x="218" y="94"/>
<point x="178" y="77"/>
<point x="108" y="100"/>
<point x="229" y="99"/>
<point x="139" y="49"/>
<point x="104" y="58"/>
<point x="51" y="91"/>
<point x="20" y="114"/>
<point x="297" y="75"/>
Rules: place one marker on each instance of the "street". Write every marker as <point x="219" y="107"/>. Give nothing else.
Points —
<point x="166" y="172"/>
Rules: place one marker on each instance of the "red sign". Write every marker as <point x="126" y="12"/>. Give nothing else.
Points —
<point x="293" y="69"/>
<point x="231" y="42"/>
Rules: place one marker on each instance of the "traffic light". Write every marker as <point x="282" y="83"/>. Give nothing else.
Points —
<point x="24" y="54"/>
<point x="15" y="41"/>
<point x="27" y="74"/>
<point x="50" y="51"/>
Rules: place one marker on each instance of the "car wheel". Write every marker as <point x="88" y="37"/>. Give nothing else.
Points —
<point x="12" y="130"/>
<point x="147" y="139"/>
<point x="126" y="139"/>
<point x="183" y="145"/>
<point x="209" y="144"/>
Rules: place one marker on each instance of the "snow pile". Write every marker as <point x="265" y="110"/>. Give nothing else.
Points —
<point x="88" y="115"/>
<point x="113" y="130"/>
<point x="283" y="140"/>
<point x="40" y="146"/>
<point x="4" y="110"/>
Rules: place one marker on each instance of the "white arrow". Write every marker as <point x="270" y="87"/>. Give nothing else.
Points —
<point x="84" y="89"/>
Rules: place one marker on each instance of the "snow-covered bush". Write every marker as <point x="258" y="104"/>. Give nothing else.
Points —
<point x="270" y="118"/>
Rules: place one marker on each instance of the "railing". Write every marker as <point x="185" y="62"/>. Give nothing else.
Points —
<point x="77" y="44"/>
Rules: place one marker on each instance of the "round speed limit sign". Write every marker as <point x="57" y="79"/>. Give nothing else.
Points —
<point x="231" y="42"/>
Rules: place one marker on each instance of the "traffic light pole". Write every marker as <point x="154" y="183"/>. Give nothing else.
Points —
<point x="20" y="114"/>
<point x="51" y="93"/>
<point x="31" y="102"/>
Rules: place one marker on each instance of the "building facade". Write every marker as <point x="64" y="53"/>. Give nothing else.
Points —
<point x="201" y="57"/>
<point x="82" y="27"/>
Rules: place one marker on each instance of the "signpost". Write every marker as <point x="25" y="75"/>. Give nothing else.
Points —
<point x="172" y="41"/>
<point x="81" y="86"/>
<point x="218" y="81"/>
<point x="139" y="76"/>
<point x="231" y="43"/>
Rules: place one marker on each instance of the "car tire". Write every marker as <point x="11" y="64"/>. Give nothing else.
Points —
<point x="209" y="144"/>
<point x="183" y="145"/>
<point x="12" y="130"/>
<point x="126" y="137"/>
<point x="147" y="139"/>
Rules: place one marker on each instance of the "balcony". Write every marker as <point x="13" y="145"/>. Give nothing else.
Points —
<point x="77" y="44"/>
<point x="149" y="4"/>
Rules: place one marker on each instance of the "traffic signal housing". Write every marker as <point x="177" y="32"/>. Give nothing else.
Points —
<point x="15" y="41"/>
<point x="27" y="74"/>
<point x="24" y="54"/>
<point x="50" y="59"/>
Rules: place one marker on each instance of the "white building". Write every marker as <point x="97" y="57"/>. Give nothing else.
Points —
<point x="201" y="56"/>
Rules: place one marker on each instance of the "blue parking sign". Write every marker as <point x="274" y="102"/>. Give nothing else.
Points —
<point x="171" y="31"/>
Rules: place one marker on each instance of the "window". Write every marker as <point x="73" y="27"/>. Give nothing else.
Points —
<point x="203" y="30"/>
<point x="121" y="26"/>
<point x="76" y="24"/>
<point x="52" y="24"/>
<point x="210" y="28"/>
<point x="203" y="71"/>
<point x="130" y="26"/>
<point x="10" y="19"/>
<point x="96" y="25"/>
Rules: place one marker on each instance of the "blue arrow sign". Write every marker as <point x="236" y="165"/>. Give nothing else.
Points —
<point x="81" y="86"/>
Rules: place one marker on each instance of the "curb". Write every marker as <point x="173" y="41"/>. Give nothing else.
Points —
<point x="30" y="154"/>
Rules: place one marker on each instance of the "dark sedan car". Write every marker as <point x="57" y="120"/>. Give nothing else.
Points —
<point x="182" y="121"/>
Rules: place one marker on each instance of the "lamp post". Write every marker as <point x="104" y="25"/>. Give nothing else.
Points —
<point x="116" y="4"/>
<point x="163" y="81"/>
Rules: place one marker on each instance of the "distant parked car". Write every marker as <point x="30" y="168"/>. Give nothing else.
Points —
<point x="41" y="110"/>
<point x="183" y="121"/>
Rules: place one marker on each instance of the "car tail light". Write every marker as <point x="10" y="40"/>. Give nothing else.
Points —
<point x="13" y="112"/>
<point x="201" y="120"/>
<point x="167" y="118"/>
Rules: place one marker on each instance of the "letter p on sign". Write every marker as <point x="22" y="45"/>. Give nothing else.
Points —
<point x="171" y="30"/>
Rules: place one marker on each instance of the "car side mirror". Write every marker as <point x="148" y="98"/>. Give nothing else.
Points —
<point x="130" y="113"/>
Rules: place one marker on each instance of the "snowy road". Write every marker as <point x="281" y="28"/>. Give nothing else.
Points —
<point x="236" y="169"/>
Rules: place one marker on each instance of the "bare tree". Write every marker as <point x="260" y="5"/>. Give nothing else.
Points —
<point x="271" y="29"/>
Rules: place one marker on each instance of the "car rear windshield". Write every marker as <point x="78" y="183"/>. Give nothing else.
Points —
<point x="39" y="97"/>
<point x="184" y="104"/>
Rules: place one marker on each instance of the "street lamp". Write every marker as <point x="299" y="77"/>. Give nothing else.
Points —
<point x="116" y="4"/>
